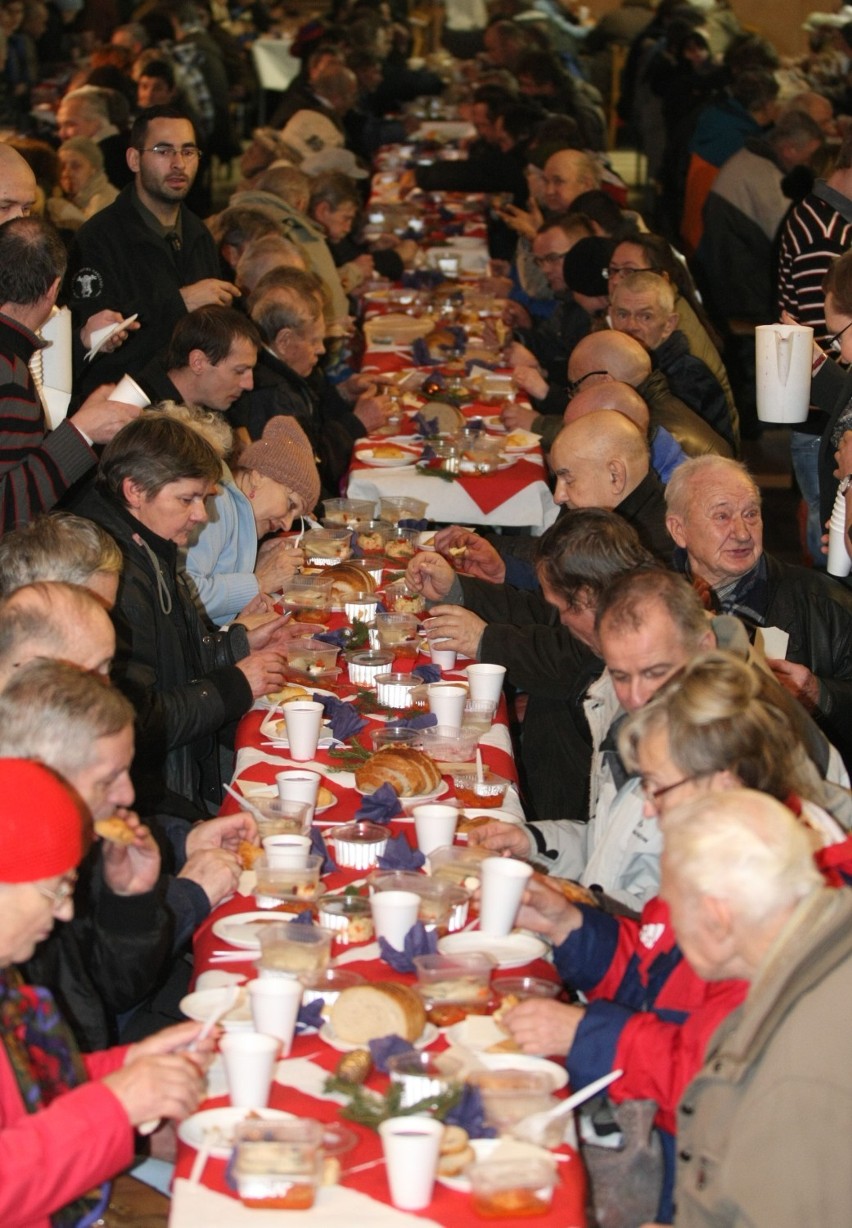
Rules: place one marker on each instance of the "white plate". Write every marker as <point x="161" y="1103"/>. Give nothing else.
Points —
<point x="367" y="457"/>
<point x="529" y="441"/>
<point x="265" y="702"/>
<point x="485" y="1148"/>
<point x="242" y="929"/>
<point x="513" y="951"/>
<point x="467" y="468"/>
<point x="397" y="329"/>
<point x="427" y="1037"/>
<point x="495" y="423"/>
<point x="194" y="1131"/>
<point x="416" y="798"/>
<point x="201" y="1004"/>
<point x="523" y="1061"/>
<point x="268" y="726"/>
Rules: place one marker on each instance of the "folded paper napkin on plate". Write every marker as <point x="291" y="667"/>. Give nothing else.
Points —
<point x="423" y="720"/>
<point x="427" y="673"/>
<point x="380" y="807"/>
<point x="418" y="941"/>
<point x="386" y="1047"/>
<point x="399" y="855"/>
<point x="319" y="848"/>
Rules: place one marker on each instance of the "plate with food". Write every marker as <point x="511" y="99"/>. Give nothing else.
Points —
<point x="513" y="951"/>
<point x="274" y="728"/>
<point x="495" y="424"/>
<point x="201" y="1004"/>
<point x="416" y="798"/>
<point x="215" y="1129"/>
<point x="389" y="455"/>
<point x="453" y="1164"/>
<point x="520" y="441"/>
<point x="242" y="930"/>
<point x="328" y="1034"/>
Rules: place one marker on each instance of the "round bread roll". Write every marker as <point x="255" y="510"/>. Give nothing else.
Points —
<point x="410" y="772"/>
<point x="363" y="1013"/>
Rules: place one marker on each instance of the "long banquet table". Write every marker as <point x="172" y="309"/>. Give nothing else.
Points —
<point x="362" y="1196"/>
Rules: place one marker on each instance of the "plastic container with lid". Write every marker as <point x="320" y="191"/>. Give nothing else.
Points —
<point x="293" y="949"/>
<point x="422" y="1076"/>
<point x="396" y="690"/>
<point x="511" y="1189"/>
<point x="465" y="979"/>
<point x="278" y="1164"/>
<point x="358" y="846"/>
<point x="277" y="883"/>
<point x="328" y="984"/>
<point x="365" y="667"/>
<point x="348" y="917"/>
<point x="325" y="547"/>
<point x="347" y="513"/>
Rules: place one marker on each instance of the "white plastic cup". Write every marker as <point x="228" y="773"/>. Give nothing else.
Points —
<point x="394" y="913"/>
<point x="486" y="682"/>
<point x="411" y="1146"/>
<point x="435" y="826"/>
<point x="299" y="785"/>
<point x="447" y="703"/>
<point x="444" y="658"/>
<point x="128" y="391"/>
<point x="275" y="1003"/>
<point x="287" y="852"/>
<point x="303" y="719"/>
<point x="503" y="882"/>
<point x="249" y="1059"/>
<point x="839" y="563"/>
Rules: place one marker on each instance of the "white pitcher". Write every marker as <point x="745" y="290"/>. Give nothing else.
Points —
<point x="783" y="361"/>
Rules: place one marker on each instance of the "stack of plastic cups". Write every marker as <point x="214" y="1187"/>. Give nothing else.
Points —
<point x="839" y="562"/>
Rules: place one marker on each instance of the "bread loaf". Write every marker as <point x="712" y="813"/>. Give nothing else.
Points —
<point x="363" y="1013"/>
<point x="410" y="772"/>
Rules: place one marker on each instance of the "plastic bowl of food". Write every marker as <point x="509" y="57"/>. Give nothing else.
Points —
<point x="348" y="917"/>
<point x="399" y="507"/>
<point x="325" y="547"/>
<point x="282" y="818"/>
<point x="510" y="1094"/>
<point x="311" y="657"/>
<point x="293" y="949"/>
<point x="511" y="1189"/>
<point x="462" y="979"/>
<point x="370" y="536"/>
<point x="327" y="984"/>
<point x="358" y="846"/>
<point x="396" y="690"/>
<point x="443" y="905"/>
<point x="523" y="987"/>
<point x="444" y="743"/>
<point x="277" y="883"/>
<point x="401" y="598"/>
<point x="486" y="794"/>
<point x="308" y="599"/>
<point x="458" y="864"/>
<point x="347" y="513"/>
<point x="393" y="737"/>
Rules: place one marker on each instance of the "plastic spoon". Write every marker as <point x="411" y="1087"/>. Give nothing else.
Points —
<point x="534" y="1128"/>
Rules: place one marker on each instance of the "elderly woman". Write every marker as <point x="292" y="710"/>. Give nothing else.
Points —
<point x="85" y="187"/>
<point x="186" y="683"/>
<point x="66" y="1120"/>
<point x="720" y="724"/>
<point x="275" y="479"/>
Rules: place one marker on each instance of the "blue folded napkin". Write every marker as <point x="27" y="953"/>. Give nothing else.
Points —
<point x="470" y="1114"/>
<point x="420" y="354"/>
<point x="379" y="807"/>
<point x="385" y="1047"/>
<point x="423" y="720"/>
<point x="338" y="638"/>
<point x="428" y="673"/>
<point x="319" y="848"/>
<point x="399" y="855"/>
<point x="418" y="941"/>
<point x="303" y="918"/>
<point x="310" y="1016"/>
<point x="346" y="722"/>
<point x="428" y="427"/>
<point x="475" y="424"/>
<point x="428" y="453"/>
<point x="415" y="524"/>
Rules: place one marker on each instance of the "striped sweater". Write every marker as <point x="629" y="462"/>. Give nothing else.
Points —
<point x="817" y="231"/>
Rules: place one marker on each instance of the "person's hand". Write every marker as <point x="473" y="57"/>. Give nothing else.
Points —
<point x="275" y="566"/>
<point x="264" y="671"/>
<point x="102" y="319"/>
<point x="543" y="1027"/>
<point x="364" y="264"/>
<point x="228" y="831"/>
<point x="529" y="380"/>
<point x="259" y="611"/>
<point x="131" y="869"/>
<point x="518" y="355"/>
<point x="497" y="285"/>
<point x="175" y="1039"/>
<point x="479" y="559"/>
<point x="352" y="387"/>
<point x="519" y="417"/>
<point x="798" y="680"/>
<point x="101" y="419"/>
<point x="520" y="220"/>
<point x="510" y="839"/>
<point x="461" y="629"/>
<point x="843" y="455"/>
<point x="271" y="633"/>
<point x="545" y="910"/>
<point x="211" y="291"/>
<point x="372" y="408"/>
<point x="216" y="871"/>
<point x="515" y="315"/>
<point x="166" y="1085"/>
<point x="430" y="574"/>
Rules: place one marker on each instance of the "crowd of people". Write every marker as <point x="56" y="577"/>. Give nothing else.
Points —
<point x="679" y="694"/>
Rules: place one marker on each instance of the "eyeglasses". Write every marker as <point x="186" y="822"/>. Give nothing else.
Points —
<point x="574" y="385"/>
<point x="59" y="895"/>
<point x="834" y="343"/>
<point x="654" y="795"/>
<point x="550" y="258"/>
<point x="615" y="270"/>
<point x="187" y="153"/>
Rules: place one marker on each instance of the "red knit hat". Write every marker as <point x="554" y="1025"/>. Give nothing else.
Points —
<point x="41" y="825"/>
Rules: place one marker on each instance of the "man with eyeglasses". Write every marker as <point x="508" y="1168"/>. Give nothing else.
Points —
<point x="146" y="253"/>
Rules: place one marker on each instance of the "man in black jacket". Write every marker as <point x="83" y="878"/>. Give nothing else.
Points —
<point x="146" y="253"/>
<point x="714" y="517"/>
<point x="209" y="362"/>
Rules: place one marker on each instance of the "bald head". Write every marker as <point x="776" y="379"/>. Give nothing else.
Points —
<point x="612" y="354"/>
<point x="567" y="174"/>
<point x="60" y="621"/>
<point x="598" y="460"/>
<point x="17" y="184"/>
<point x="608" y="395"/>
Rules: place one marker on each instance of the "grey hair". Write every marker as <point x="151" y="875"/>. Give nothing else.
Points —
<point x="44" y="619"/>
<point x="643" y="280"/>
<point x="60" y="546"/>
<point x="96" y="100"/>
<point x="685" y="478"/>
<point x="54" y="712"/>
<point x="277" y="305"/>
<point x="210" y="426"/>
<point x="743" y="847"/>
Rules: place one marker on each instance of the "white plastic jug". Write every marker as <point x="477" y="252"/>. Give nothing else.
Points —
<point x="783" y="360"/>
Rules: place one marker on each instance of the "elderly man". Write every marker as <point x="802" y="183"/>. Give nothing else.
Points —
<point x="546" y="641"/>
<point x="567" y="174"/>
<point x="38" y="466"/>
<point x="85" y="112"/>
<point x="715" y="519"/>
<point x="147" y="253"/>
<point x="758" y="1126"/>
<point x="132" y="920"/>
<point x="51" y="619"/>
<point x="17" y="184"/>
<point x="209" y="362"/>
<point x="642" y="305"/>
<point x="261" y="256"/>
<point x="602" y="460"/>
